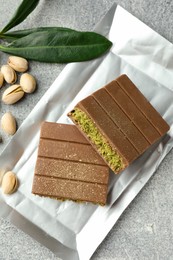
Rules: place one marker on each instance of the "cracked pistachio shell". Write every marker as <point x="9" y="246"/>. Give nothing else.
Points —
<point x="1" y="79"/>
<point x="18" y="64"/>
<point x="9" y="74"/>
<point x="12" y="94"/>
<point x="8" y="123"/>
<point x="28" y="83"/>
<point x="9" y="183"/>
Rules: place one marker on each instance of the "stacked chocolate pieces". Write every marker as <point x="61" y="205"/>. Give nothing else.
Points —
<point x="117" y="124"/>
<point x="68" y="167"/>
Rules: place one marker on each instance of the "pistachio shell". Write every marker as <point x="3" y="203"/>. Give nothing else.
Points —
<point x="28" y="83"/>
<point x="12" y="94"/>
<point x="8" y="123"/>
<point x="9" y="74"/>
<point x="18" y="64"/>
<point x="1" y="79"/>
<point x="9" y="183"/>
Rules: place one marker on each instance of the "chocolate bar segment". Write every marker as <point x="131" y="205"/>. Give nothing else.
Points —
<point x="119" y="122"/>
<point x="68" y="167"/>
<point x="68" y="189"/>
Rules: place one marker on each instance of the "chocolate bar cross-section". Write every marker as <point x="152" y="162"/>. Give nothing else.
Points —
<point x="119" y="122"/>
<point x="68" y="167"/>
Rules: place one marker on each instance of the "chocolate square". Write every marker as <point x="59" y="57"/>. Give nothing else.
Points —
<point x="119" y="122"/>
<point x="68" y="167"/>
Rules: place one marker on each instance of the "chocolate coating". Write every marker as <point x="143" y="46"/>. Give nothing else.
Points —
<point x="68" y="167"/>
<point x="124" y="117"/>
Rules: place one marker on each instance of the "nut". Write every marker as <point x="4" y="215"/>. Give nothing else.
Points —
<point x="9" y="74"/>
<point x="8" y="123"/>
<point x="28" y="83"/>
<point x="12" y="94"/>
<point x="18" y="64"/>
<point x="1" y="79"/>
<point x="9" y="183"/>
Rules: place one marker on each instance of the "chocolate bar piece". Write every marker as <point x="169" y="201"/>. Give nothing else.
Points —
<point x="119" y="122"/>
<point x="68" y="167"/>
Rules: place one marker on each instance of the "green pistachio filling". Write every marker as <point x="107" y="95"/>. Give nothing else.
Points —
<point x="87" y="125"/>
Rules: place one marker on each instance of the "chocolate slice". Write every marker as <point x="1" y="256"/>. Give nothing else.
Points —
<point x="68" y="167"/>
<point x="119" y="122"/>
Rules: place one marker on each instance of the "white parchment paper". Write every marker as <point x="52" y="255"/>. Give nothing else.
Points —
<point x="146" y="58"/>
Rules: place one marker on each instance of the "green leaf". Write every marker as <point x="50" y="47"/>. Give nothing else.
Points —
<point x="25" y="8"/>
<point x="59" y="46"/>
<point x="14" y="35"/>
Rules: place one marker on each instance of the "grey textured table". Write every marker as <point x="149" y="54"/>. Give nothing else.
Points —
<point x="145" y="230"/>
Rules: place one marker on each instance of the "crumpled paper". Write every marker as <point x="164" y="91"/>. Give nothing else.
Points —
<point x="67" y="227"/>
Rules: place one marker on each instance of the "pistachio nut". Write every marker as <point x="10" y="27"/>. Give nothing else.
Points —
<point x="18" y="64"/>
<point x="8" y="123"/>
<point x="9" y="183"/>
<point x="28" y="83"/>
<point x="12" y="94"/>
<point x="1" y="79"/>
<point x="9" y="74"/>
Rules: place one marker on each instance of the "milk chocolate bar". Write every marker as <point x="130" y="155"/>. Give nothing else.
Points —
<point x="119" y="122"/>
<point x="68" y="167"/>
